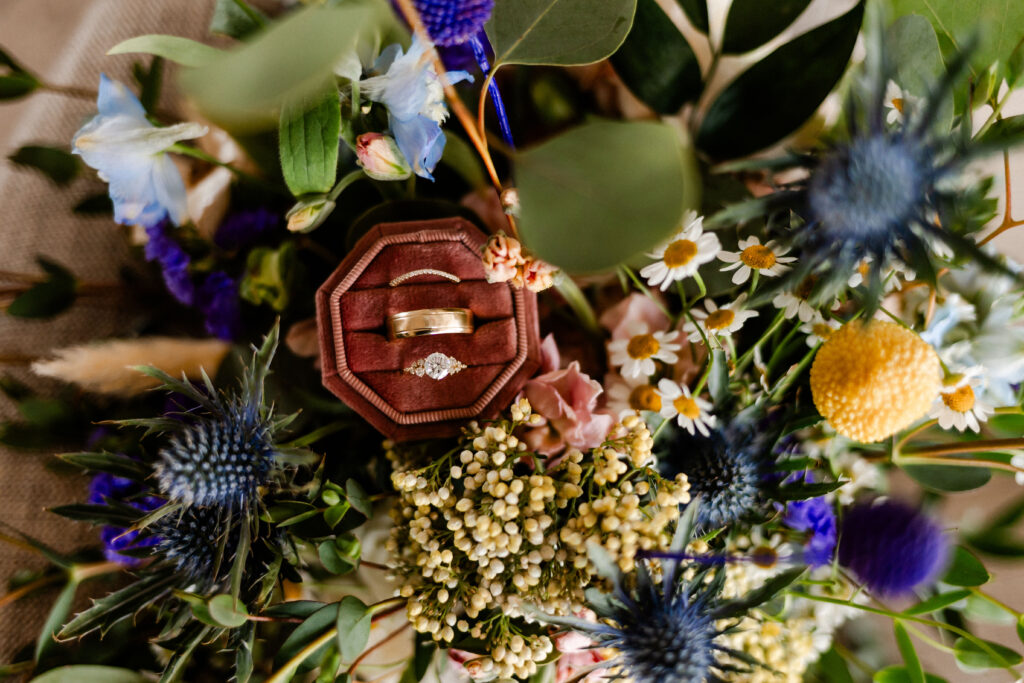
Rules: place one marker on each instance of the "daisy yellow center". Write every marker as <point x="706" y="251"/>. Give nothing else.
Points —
<point x="642" y="346"/>
<point x="687" y="407"/>
<point x="897" y="102"/>
<point x="720" y="319"/>
<point x="871" y="381"/>
<point x="679" y="253"/>
<point x="758" y="257"/>
<point x="961" y="399"/>
<point x="765" y="556"/>
<point x="644" y="397"/>
<point x="821" y="330"/>
<point x="804" y="289"/>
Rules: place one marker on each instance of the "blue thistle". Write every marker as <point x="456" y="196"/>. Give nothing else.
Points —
<point x="454" y="22"/>
<point x="219" y="454"/>
<point x="192" y="541"/>
<point x="892" y="547"/>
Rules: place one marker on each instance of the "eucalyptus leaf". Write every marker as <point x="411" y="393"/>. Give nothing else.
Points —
<point x="656" y="62"/>
<point x="353" y="624"/>
<point x="605" y="192"/>
<point x="173" y="48"/>
<point x="948" y="479"/>
<point x="309" y="630"/>
<point x="308" y="135"/>
<point x="965" y="569"/>
<point x="57" y="164"/>
<point x="227" y="611"/>
<point x="776" y="95"/>
<point x="244" y="89"/>
<point x="559" y="32"/>
<point x="752" y="23"/>
<point x="88" y="673"/>
<point x="973" y="656"/>
<point x="357" y="498"/>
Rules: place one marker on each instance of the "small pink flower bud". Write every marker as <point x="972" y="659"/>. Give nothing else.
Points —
<point x="502" y="257"/>
<point x="535" y="275"/>
<point x="380" y="157"/>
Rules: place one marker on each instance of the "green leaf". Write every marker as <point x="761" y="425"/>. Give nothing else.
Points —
<point x="1020" y="629"/>
<point x="758" y="596"/>
<point x="697" y="12"/>
<point x="357" y="498"/>
<point x="913" y="48"/>
<point x="718" y="380"/>
<point x="965" y="569"/>
<point x="227" y="611"/>
<point x="269" y="275"/>
<point x="656" y="62"/>
<point x="353" y="624"/>
<point x="200" y="610"/>
<point x="831" y="668"/>
<point x="88" y="673"/>
<point x="308" y="135"/>
<point x="116" y="464"/>
<point x="1001" y="23"/>
<point x="123" y="516"/>
<point x="244" y="89"/>
<point x="752" y="23"/>
<point x="15" y="81"/>
<point x="236" y="19"/>
<point x="898" y="674"/>
<point x="150" y="82"/>
<point x="948" y="479"/>
<point x="605" y="192"/>
<point x="94" y="204"/>
<point x="795" y="79"/>
<point x="56" y="618"/>
<point x="116" y="606"/>
<point x="244" y="664"/>
<point x="48" y="298"/>
<point x="805" y="491"/>
<point x="56" y="164"/>
<point x="334" y="514"/>
<point x="973" y="656"/>
<point x="174" y="48"/>
<point x="937" y="602"/>
<point x="906" y="647"/>
<point x="560" y="32"/>
<point x="309" y="630"/>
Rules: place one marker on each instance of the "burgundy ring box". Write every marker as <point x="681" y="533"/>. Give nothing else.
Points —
<point x="365" y="370"/>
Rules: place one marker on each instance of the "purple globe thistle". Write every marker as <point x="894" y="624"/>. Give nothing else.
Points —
<point x="106" y="487"/>
<point x="174" y="262"/>
<point x="218" y="301"/>
<point x="192" y="539"/>
<point x="817" y="517"/>
<point x="244" y="227"/>
<point x="892" y="547"/>
<point x="453" y="22"/>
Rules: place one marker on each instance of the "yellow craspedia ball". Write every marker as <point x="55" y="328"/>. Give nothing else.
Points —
<point x="870" y="381"/>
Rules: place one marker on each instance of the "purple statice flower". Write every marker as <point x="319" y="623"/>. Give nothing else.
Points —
<point x="244" y="227"/>
<point x="217" y="298"/>
<point x="173" y="260"/>
<point x="816" y="517"/>
<point x="106" y="486"/>
<point x="892" y="547"/>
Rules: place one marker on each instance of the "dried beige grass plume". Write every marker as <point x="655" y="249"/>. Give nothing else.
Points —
<point x="106" y="367"/>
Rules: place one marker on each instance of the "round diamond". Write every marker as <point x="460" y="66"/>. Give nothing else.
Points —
<point x="437" y="365"/>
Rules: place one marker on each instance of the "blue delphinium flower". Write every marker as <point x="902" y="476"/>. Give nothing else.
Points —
<point x="173" y="260"/>
<point x="892" y="547"/>
<point x="218" y="300"/>
<point x="411" y="90"/>
<point x="454" y="22"/>
<point x="106" y="487"/>
<point x="129" y="153"/>
<point x="817" y="517"/>
<point x="241" y="228"/>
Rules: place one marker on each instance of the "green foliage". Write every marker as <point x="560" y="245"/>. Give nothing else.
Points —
<point x="972" y="655"/>
<point x="914" y="50"/>
<point x="48" y="298"/>
<point x="341" y="555"/>
<point x="603" y="193"/>
<point x="771" y="588"/>
<point x="937" y="602"/>
<point x="899" y="674"/>
<point x="176" y="49"/>
<point x="270" y="275"/>
<point x="906" y="647"/>
<point x="751" y="24"/>
<point x="718" y="380"/>
<point x="353" y="624"/>
<point x="118" y="605"/>
<point x="948" y="479"/>
<point x="314" y="626"/>
<point x="58" y="165"/>
<point x="236" y="19"/>
<point x="150" y="82"/>
<point x="308" y="134"/>
<point x="55" y="619"/>
<point x="15" y="80"/>
<point x="965" y="569"/>
<point x="656" y="62"/>
<point x="562" y="32"/>
<point x="794" y="79"/>
<point x="88" y="673"/>
<point x="227" y="611"/>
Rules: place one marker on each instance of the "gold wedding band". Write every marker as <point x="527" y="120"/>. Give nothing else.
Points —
<point x="429" y="321"/>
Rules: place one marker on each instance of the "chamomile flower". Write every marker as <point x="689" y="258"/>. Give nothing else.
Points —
<point x="767" y="259"/>
<point x="680" y="258"/>
<point x="818" y="329"/>
<point x="690" y="411"/>
<point x="637" y="353"/>
<point x="627" y="395"/>
<point x="957" y="404"/>
<point x="896" y="101"/>
<point x="715" y="321"/>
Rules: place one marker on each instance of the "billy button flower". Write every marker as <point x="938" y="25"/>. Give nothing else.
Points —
<point x="870" y="381"/>
<point x="637" y="353"/>
<point x="754" y="257"/>
<point x="680" y="258"/>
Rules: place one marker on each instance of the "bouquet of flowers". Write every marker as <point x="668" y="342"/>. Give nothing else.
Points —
<point x="539" y="340"/>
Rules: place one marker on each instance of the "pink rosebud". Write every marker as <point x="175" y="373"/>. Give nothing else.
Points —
<point x="535" y="275"/>
<point x="502" y="257"/>
<point x="567" y="399"/>
<point x="380" y="157"/>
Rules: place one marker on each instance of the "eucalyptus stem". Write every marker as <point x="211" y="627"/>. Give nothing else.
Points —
<point x="317" y="434"/>
<point x="965" y="447"/>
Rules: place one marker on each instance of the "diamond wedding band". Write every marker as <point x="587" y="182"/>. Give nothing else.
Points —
<point x="429" y="321"/>
<point x="423" y="271"/>
<point x="435" y="366"/>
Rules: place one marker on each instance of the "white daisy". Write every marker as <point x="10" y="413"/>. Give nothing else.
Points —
<point x="792" y="304"/>
<point x="957" y="404"/>
<point x="818" y="329"/>
<point x="627" y="395"/>
<point x="897" y="101"/>
<point x="637" y="353"/>
<point x="764" y="258"/>
<point x="690" y="248"/>
<point x="890" y="281"/>
<point x="719" y="321"/>
<point x="689" y="411"/>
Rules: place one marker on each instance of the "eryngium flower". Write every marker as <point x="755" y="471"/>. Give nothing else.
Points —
<point x="453" y="22"/>
<point x="192" y="541"/>
<point x="892" y="547"/>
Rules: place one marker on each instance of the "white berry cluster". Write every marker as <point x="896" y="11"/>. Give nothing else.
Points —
<point x="485" y="536"/>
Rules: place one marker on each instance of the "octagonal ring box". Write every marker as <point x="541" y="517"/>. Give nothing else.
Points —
<point x="366" y="370"/>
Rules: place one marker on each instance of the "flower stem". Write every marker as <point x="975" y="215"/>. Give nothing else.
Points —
<point x="345" y="182"/>
<point x="317" y="434"/>
<point x="643" y="288"/>
<point x="966" y="447"/>
<point x="741" y="364"/>
<point x="196" y="153"/>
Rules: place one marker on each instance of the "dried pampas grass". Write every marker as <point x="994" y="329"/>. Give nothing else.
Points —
<point x="106" y="367"/>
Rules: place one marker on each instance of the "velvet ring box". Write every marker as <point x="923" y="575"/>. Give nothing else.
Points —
<point x="365" y="369"/>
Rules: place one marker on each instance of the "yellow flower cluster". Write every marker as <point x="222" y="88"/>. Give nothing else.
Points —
<point x="484" y="536"/>
<point x="784" y="649"/>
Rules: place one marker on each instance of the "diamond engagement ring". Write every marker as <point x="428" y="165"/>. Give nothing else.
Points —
<point x="435" y="366"/>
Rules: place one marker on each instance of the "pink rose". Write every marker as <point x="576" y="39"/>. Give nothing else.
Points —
<point x="550" y="357"/>
<point x="635" y="307"/>
<point x="578" y="653"/>
<point x="567" y="399"/>
<point x="502" y="257"/>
